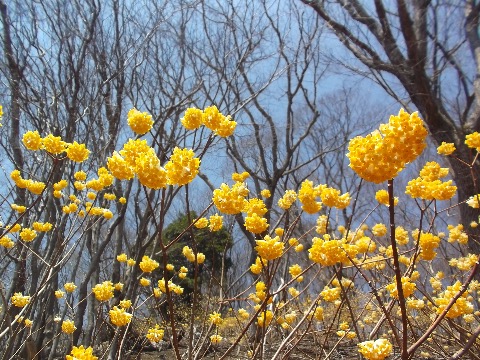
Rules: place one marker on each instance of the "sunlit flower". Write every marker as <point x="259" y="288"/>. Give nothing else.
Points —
<point x="28" y="234"/>
<point x="270" y="248"/>
<point x="382" y="197"/>
<point x="215" y="339"/>
<point x="375" y="349"/>
<point x="148" y="265"/>
<point x="59" y="294"/>
<point x="155" y="334"/>
<point x="182" y="167"/>
<point x="201" y="223"/>
<point x="32" y="140"/>
<point x="446" y="148"/>
<point x="81" y="353"/>
<point x="6" y="242"/>
<point x="20" y="300"/>
<point x="103" y="291"/>
<point x="77" y="152"/>
<point x="68" y="326"/>
<point x="216" y="222"/>
<point x="230" y="200"/>
<point x="144" y="282"/>
<point x="287" y="200"/>
<point x="265" y="193"/>
<point x="53" y="144"/>
<point x="215" y="318"/>
<point x="139" y="122"/>
<point x="70" y="287"/>
<point x="192" y="119"/>
<point x="473" y="141"/>
<point x="119" y="317"/>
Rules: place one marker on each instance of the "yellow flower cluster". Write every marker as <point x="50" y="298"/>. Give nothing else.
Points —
<point x="464" y="263"/>
<point x="190" y="255"/>
<point x="327" y="251"/>
<point x="265" y="318"/>
<point x="382" y="197"/>
<point x="240" y="177"/>
<point x="55" y="145"/>
<point x="70" y="287"/>
<point x="220" y="124"/>
<point x="407" y="286"/>
<point x="215" y="339"/>
<point x="68" y="327"/>
<point x="215" y="318"/>
<point x="147" y="264"/>
<point x="428" y="243"/>
<point x="254" y="221"/>
<point x="155" y="334"/>
<point x="473" y="201"/>
<point x="428" y="186"/>
<point x="331" y="197"/>
<point x="216" y="222"/>
<point x="375" y="349"/>
<point x="295" y="270"/>
<point x="230" y="200"/>
<point x="119" y="317"/>
<point x="258" y="266"/>
<point x="381" y="155"/>
<point x="139" y="122"/>
<point x="446" y="148"/>
<point x="287" y="200"/>
<point x="270" y="248"/>
<point x="103" y="291"/>
<point x="6" y="242"/>
<point x="308" y="195"/>
<point x="43" y="227"/>
<point x="461" y="307"/>
<point x="456" y="233"/>
<point x="35" y="187"/>
<point x="81" y="353"/>
<point x="182" y="167"/>
<point x="28" y="234"/>
<point x="20" y="300"/>
<point x="473" y="141"/>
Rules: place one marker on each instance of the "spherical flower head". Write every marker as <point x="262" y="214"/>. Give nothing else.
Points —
<point x="264" y="319"/>
<point x="328" y="251"/>
<point x="230" y="200"/>
<point x="155" y="334"/>
<point x="201" y="223"/>
<point x="215" y="339"/>
<point x="215" y="318"/>
<point x="270" y="248"/>
<point x="212" y="118"/>
<point x="381" y="155"/>
<point x="80" y="176"/>
<point x="6" y="242"/>
<point x="20" y="300"/>
<point x="77" y="152"/>
<point x="295" y="270"/>
<point x="258" y="266"/>
<point x="287" y="199"/>
<point x="59" y="294"/>
<point x="149" y="171"/>
<point x="375" y="349"/>
<point x="148" y="265"/>
<point x="266" y="193"/>
<point x="122" y="200"/>
<point x="473" y="141"/>
<point x="119" y="167"/>
<point x="407" y="286"/>
<point x="382" y="197"/>
<point x="240" y="177"/>
<point x="379" y="230"/>
<point x="103" y="291"/>
<point x="139" y="122"/>
<point x="192" y="119"/>
<point x="18" y="208"/>
<point x="428" y="243"/>
<point x="331" y="197"/>
<point x="144" y="282"/>
<point x="428" y="186"/>
<point x="125" y="304"/>
<point x="28" y="234"/>
<point x="70" y="287"/>
<point x="182" y="167"/>
<point x="81" y="353"/>
<point x="256" y="224"/>
<point x="122" y="257"/>
<point x="119" y="317"/>
<point x="226" y="128"/>
<point x="461" y="306"/>
<point x="32" y="140"/>
<point x="131" y="262"/>
<point x="446" y="148"/>
<point x="308" y="195"/>
<point x="473" y="201"/>
<point x="132" y="150"/>
<point x="53" y="144"/>
<point x="68" y="327"/>
<point x="38" y="226"/>
<point x="255" y="206"/>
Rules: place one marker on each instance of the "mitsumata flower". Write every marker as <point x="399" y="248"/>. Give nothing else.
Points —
<point x="381" y="155"/>
<point x="32" y="140"/>
<point x="270" y="248"/>
<point x="103" y="291"/>
<point x="119" y="317"/>
<point x="139" y="122"/>
<point x="81" y="353"/>
<point x="192" y="119"/>
<point x="148" y="265"/>
<point x="182" y="167"/>
<point x="375" y="349"/>
<point x="77" y="152"/>
<point x="230" y="200"/>
<point x="155" y="334"/>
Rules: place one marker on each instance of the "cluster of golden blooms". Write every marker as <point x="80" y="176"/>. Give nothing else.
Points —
<point x="183" y="272"/>
<point x="155" y="334"/>
<point x="427" y="243"/>
<point x="20" y="300"/>
<point x="70" y="287"/>
<point x="254" y="221"/>
<point x="81" y="353"/>
<point x="295" y="271"/>
<point x="55" y="145"/>
<point x="6" y="242"/>
<point x="264" y="318"/>
<point x="408" y="287"/>
<point x="381" y="155"/>
<point x="232" y="200"/>
<point x="28" y="234"/>
<point x="375" y="349"/>
<point x="35" y="187"/>
<point x="461" y="306"/>
<point x="68" y="326"/>
<point x="139" y="122"/>
<point x="215" y="339"/>
<point x="18" y="208"/>
<point x="464" y="263"/>
<point x="436" y="281"/>
<point x="182" y="167"/>
<point x="59" y="294"/>
<point x="473" y="201"/>
<point x="258" y="266"/>
<point x="382" y="197"/>
<point x="344" y="331"/>
<point x="287" y="320"/>
<point x="270" y="248"/>
<point x="119" y="317"/>
<point x="148" y="265"/>
<point x="215" y="318"/>
<point x="287" y="200"/>
<point x="473" y="141"/>
<point x="103" y="291"/>
<point x="213" y="119"/>
<point x="171" y="287"/>
<point x="446" y="148"/>
<point x="327" y="251"/>
<point x="428" y="185"/>
<point x="190" y="255"/>
<point x="42" y="227"/>
<point x="456" y="233"/>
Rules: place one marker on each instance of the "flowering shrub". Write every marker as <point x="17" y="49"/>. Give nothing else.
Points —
<point x="361" y="284"/>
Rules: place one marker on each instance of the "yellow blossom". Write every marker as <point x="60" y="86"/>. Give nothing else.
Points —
<point x="215" y="339"/>
<point x="28" y="234"/>
<point x="201" y="223"/>
<point x="265" y="193"/>
<point x="119" y="317"/>
<point x="59" y="294"/>
<point x="182" y="167"/>
<point x="148" y="265"/>
<point x="192" y="119"/>
<point x="382" y="197"/>
<point x="68" y="326"/>
<point x="103" y="291"/>
<point x="473" y="141"/>
<point x="144" y="282"/>
<point x="20" y="300"/>
<point x="53" y="144"/>
<point x="32" y="140"/>
<point x="119" y="167"/>
<point x="375" y="349"/>
<point x="216" y="222"/>
<point x="81" y="353"/>
<point x="139" y="122"/>
<point x="6" y="242"/>
<point x="446" y="148"/>
<point x="70" y="287"/>
<point x="122" y="257"/>
<point x="77" y="152"/>
<point x="269" y="248"/>
<point x="230" y="200"/>
<point x="287" y="200"/>
<point x="215" y="318"/>
<point x="155" y="334"/>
